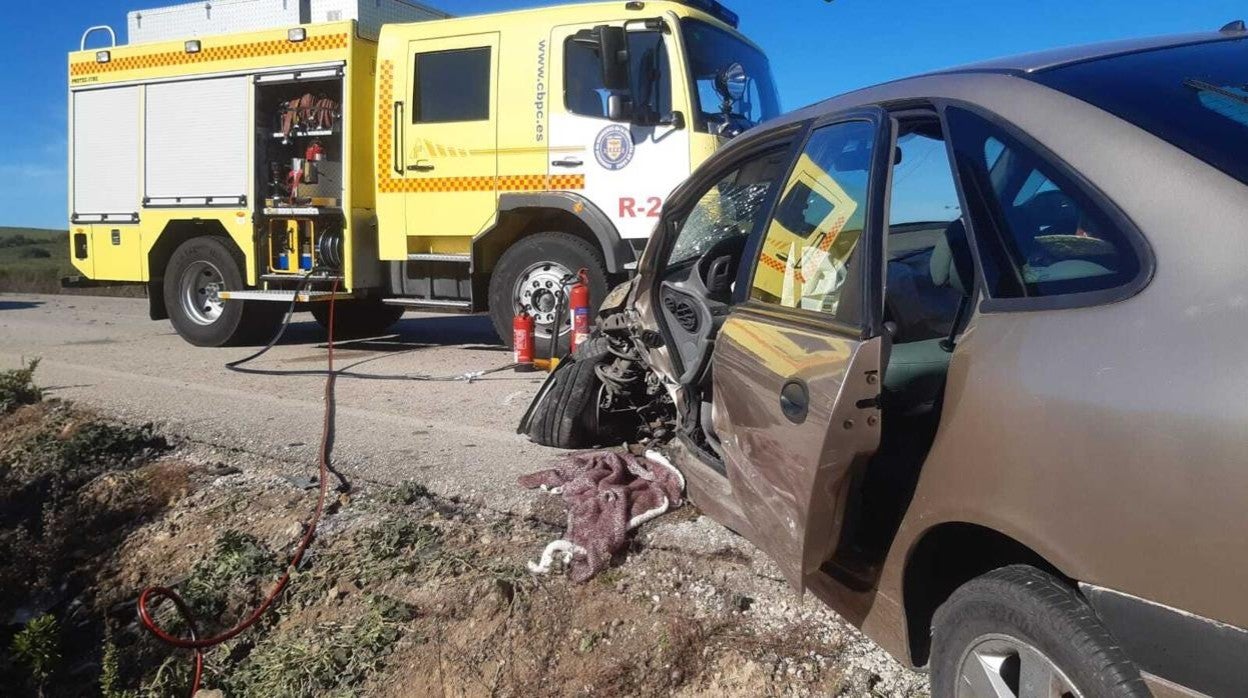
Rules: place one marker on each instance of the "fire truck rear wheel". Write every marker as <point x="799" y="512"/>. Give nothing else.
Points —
<point x="354" y="319"/>
<point x="527" y="278"/>
<point x="198" y="270"/>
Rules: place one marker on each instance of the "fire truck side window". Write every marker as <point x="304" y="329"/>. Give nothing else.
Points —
<point x="584" y="93"/>
<point x="452" y="86"/>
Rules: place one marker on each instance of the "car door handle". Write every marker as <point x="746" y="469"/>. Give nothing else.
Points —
<point x="795" y="400"/>
<point x="421" y="166"/>
<point x="568" y="162"/>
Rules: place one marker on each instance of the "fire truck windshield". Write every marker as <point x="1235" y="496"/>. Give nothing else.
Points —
<point x="711" y="50"/>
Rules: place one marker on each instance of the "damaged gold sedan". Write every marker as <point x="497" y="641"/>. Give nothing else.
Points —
<point x="918" y="343"/>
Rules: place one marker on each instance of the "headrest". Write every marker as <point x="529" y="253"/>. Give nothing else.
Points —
<point x="952" y="264"/>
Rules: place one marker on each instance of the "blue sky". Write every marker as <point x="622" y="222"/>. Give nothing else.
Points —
<point x="817" y="49"/>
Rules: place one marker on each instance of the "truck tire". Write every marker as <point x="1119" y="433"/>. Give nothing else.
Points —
<point x="995" y="627"/>
<point x="568" y="416"/>
<point x="353" y="319"/>
<point x="527" y="277"/>
<point x="197" y="270"/>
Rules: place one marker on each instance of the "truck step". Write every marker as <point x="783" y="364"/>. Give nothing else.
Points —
<point x="435" y="257"/>
<point x="283" y="296"/>
<point x="433" y="303"/>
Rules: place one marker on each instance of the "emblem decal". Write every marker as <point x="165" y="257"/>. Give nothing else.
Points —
<point x="614" y="147"/>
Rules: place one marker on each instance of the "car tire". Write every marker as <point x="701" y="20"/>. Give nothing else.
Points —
<point x="1016" y="617"/>
<point x="358" y="318"/>
<point x="562" y="253"/>
<point x="196" y="267"/>
<point x="568" y="416"/>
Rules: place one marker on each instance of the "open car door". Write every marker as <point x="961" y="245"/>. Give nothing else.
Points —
<point x="797" y="364"/>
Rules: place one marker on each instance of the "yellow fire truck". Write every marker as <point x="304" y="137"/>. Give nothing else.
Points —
<point x="242" y="152"/>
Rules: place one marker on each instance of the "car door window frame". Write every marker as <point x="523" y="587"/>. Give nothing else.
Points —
<point x="973" y="214"/>
<point x="871" y="279"/>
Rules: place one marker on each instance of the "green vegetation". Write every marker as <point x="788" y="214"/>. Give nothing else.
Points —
<point x="38" y="648"/>
<point x="17" y="387"/>
<point x="330" y="658"/>
<point x="237" y="557"/>
<point x="33" y="260"/>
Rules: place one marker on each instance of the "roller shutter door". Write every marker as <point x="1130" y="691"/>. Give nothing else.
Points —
<point x="197" y="142"/>
<point x="106" y="154"/>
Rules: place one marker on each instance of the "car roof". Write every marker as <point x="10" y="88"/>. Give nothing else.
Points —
<point x="1020" y="65"/>
<point x="1059" y="57"/>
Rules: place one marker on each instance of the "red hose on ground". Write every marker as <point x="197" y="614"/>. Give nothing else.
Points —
<point x="193" y="642"/>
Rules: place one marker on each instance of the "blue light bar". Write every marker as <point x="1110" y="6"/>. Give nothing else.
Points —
<point x="716" y="10"/>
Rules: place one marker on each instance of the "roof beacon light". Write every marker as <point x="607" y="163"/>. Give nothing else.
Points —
<point x="192" y="46"/>
<point x="297" y="34"/>
<point x="716" y="10"/>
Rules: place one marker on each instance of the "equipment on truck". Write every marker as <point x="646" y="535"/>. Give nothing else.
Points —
<point x="392" y="149"/>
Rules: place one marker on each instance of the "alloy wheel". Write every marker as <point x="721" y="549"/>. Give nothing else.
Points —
<point x="1000" y="666"/>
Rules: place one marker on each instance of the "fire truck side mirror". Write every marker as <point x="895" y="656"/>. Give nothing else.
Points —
<point x="619" y="108"/>
<point x="613" y="47"/>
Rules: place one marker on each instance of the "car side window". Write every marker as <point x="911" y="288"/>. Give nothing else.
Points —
<point x="452" y="86"/>
<point x="926" y="252"/>
<point x="808" y="251"/>
<point x="731" y="208"/>
<point x="1040" y="234"/>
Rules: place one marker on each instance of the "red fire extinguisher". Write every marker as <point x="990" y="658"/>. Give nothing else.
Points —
<point x="522" y="341"/>
<point x="578" y="302"/>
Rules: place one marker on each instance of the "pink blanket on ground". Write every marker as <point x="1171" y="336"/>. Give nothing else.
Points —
<point x="608" y="493"/>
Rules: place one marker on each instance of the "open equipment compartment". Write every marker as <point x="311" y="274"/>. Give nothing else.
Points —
<point x="300" y="158"/>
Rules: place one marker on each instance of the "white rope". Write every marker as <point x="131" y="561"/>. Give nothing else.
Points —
<point x="566" y="548"/>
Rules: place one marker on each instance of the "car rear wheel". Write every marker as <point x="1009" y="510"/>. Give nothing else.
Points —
<point x="358" y="318"/>
<point x="197" y="272"/>
<point x="528" y="278"/>
<point x="1018" y="632"/>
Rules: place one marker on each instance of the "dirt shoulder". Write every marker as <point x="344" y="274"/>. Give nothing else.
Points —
<point x="404" y="593"/>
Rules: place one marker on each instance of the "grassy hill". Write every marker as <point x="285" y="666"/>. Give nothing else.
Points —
<point x="33" y="260"/>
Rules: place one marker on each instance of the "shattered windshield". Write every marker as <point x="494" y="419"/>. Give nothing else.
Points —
<point x="1194" y="96"/>
<point x="729" y="209"/>
<point x="711" y="50"/>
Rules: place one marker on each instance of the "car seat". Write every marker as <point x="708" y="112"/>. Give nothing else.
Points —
<point x="915" y="372"/>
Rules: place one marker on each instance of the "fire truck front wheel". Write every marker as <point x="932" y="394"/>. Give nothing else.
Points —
<point x="197" y="272"/>
<point x="529" y="278"/>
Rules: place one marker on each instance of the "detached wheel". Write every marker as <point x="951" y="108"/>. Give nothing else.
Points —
<point x="358" y="318"/>
<point x="1017" y="632"/>
<point x="568" y="415"/>
<point x="196" y="274"/>
<point x="528" y="278"/>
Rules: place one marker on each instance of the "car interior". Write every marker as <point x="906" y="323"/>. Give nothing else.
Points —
<point x="697" y="288"/>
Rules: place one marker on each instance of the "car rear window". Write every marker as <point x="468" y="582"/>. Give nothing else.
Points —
<point x="1195" y="96"/>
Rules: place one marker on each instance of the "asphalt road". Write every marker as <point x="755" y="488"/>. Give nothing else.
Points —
<point x="457" y="438"/>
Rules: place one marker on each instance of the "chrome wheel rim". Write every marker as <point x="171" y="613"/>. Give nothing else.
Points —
<point x="200" y="285"/>
<point x="1000" y="666"/>
<point x="539" y="292"/>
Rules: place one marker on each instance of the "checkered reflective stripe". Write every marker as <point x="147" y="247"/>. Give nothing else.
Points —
<point x="387" y="183"/>
<point x="211" y="54"/>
